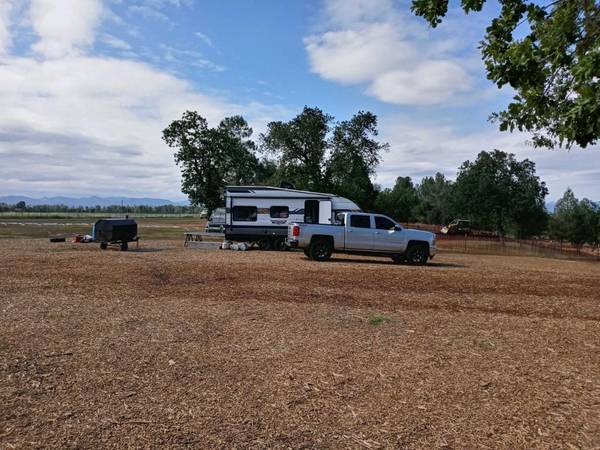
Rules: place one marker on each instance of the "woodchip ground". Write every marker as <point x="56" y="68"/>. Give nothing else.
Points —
<point x="191" y="348"/>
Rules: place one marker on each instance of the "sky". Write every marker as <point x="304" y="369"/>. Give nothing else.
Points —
<point x="87" y="86"/>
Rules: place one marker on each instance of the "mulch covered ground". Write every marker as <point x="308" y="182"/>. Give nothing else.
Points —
<point x="166" y="347"/>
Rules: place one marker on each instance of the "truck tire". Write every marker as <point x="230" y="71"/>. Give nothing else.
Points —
<point x="320" y="250"/>
<point x="124" y="246"/>
<point x="265" y="244"/>
<point x="417" y="254"/>
<point x="307" y="252"/>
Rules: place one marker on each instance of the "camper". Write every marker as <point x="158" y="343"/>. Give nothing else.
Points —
<point x="262" y="214"/>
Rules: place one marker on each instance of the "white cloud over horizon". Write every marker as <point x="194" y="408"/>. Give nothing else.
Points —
<point x="422" y="148"/>
<point x="373" y="43"/>
<point x="75" y="122"/>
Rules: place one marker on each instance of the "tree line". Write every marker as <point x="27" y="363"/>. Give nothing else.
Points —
<point x="112" y="209"/>
<point x="312" y="151"/>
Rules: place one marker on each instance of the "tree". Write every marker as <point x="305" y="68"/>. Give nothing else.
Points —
<point x="498" y="192"/>
<point x="436" y="198"/>
<point x="300" y="146"/>
<point x="210" y="158"/>
<point x="552" y="63"/>
<point x="576" y="221"/>
<point x="400" y="202"/>
<point x="354" y="156"/>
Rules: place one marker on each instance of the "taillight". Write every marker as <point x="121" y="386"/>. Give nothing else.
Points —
<point x="296" y="231"/>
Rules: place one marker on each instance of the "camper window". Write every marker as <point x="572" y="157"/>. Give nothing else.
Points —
<point x="279" y="212"/>
<point x="244" y="213"/>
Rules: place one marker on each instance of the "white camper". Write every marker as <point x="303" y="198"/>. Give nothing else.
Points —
<point x="262" y="213"/>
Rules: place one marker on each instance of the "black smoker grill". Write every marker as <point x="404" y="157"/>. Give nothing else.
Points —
<point x="115" y="231"/>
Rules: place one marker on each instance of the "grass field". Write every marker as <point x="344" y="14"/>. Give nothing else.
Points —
<point x="148" y="227"/>
<point x="190" y="348"/>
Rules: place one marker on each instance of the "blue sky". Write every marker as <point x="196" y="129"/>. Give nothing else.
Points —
<point x="88" y="85"/>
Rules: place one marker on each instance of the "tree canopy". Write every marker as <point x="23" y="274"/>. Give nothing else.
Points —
<point x="550" y="55"/>
<point x="210" y="158"/>
<point x="575" y="221"/>
<point x="499" y="192"/>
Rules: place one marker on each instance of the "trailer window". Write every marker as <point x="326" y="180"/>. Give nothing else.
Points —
<point x="244" y="213"/>
<point x="360" y="221"/>
<point x="279" y="212"/>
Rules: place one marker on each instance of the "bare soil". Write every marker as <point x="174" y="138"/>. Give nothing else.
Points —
<point x="172" y="347"/>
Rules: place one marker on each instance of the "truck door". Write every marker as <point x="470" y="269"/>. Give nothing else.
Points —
<point x="325" y="212"/>
<point x="359" y="233"/>
<point x="386" y="238"/>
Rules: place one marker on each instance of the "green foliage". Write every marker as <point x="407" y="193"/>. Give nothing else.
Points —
<point x="353" y="159"/>
<point x="400" y="202"/>
<point x="210" y="158"/>
<point x="435" y="200"/>
<point x="499" y="192"/>
<point x="550" y="55"/>
<point x="575" y="221"/>
<point x="300" y="147"/>
<point x="378" y="319"/>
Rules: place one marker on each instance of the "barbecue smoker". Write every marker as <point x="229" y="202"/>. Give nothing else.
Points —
<point x="115" y="231"/>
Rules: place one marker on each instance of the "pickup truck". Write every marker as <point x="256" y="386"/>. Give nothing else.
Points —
<point x="363" y="234"/>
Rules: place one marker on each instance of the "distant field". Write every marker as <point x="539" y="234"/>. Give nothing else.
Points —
<point x="181" y="348"/>
<point x="166" y="227"/>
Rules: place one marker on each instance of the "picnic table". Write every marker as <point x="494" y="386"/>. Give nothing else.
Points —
<point x="191" y="237"/>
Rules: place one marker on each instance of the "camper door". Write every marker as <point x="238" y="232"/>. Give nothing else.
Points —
<point x="325" y="212"/>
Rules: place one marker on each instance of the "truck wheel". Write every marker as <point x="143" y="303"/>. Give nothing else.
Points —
<point x="265" y="244"/>
<point x="124" y="246"/>
<point x="398" y="259"/>
<point x="417" y="254"/>
<point x="320" y="250"/>
<point x="307" y="252"/>
<point x="280" y="245"/>
<point x="103" y="245"/>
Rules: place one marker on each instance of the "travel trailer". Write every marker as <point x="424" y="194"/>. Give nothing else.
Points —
<point x="262" y="214"/>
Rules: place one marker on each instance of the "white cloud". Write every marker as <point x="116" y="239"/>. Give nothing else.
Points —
<point x="204" y="38"/>
<point x="389" y="51"/>
<point x="76" y="123"/>
<point x="6" y="10"/>
<point x="420" y="148"/>
<point x="115" y="42"/>
<point x="64" y="27"/>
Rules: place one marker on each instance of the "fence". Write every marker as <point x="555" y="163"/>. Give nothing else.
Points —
<point x="507" y="246"/>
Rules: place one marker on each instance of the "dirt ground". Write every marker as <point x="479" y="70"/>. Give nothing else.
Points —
<point x="172" y="347"/>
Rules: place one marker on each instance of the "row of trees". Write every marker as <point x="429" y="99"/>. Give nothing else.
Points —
<point x="113" y="209"/>
<point x="575" y="221"/>
<point x="496" y="191"/>
<point x="311" y="151"/>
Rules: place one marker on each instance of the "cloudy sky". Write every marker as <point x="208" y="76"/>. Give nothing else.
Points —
<point x="86" y="86"/>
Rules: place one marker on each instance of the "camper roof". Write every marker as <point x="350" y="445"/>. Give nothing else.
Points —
<point x="253" y="189"/>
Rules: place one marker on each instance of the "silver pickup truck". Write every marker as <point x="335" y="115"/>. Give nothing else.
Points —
<point x="364" y="234"/>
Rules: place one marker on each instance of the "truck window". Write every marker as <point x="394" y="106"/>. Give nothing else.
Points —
<point x="383" y="223"/>
<point x="360" y="221"/>
<point x="279" y="212"/>
<point x="244" y="213"/>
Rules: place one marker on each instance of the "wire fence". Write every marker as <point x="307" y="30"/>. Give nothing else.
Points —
<point x="507" y="246"/>
<point x="516" y="247"/>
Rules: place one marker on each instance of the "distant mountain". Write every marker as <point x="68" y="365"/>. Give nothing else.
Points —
<point x="550" y="206"/>
<point x="90" y="201"/>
